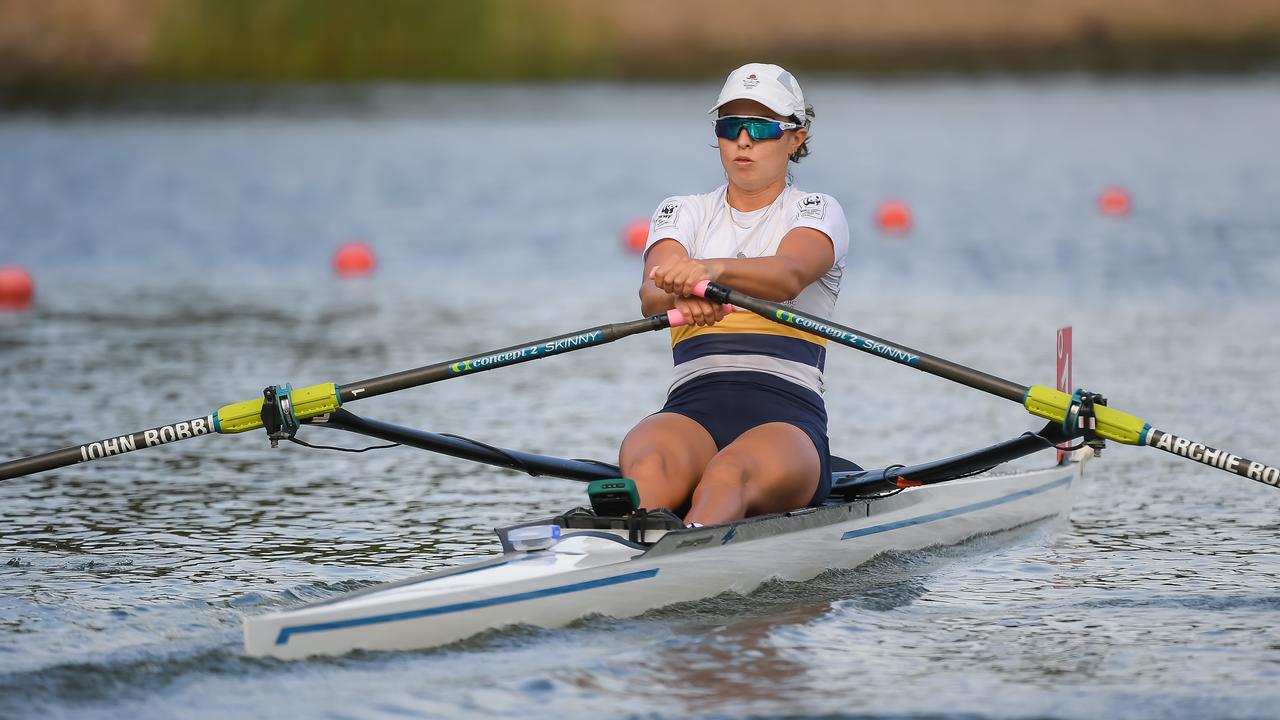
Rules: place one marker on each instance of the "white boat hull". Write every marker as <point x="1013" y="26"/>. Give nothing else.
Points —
<point x="592" y="573"/>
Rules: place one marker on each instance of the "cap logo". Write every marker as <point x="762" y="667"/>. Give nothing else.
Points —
<point x="750" y="81"/>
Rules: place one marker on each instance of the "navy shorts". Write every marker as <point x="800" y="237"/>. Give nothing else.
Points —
<point x="727" y="404"/>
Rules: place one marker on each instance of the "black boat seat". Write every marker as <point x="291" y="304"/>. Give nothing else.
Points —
<point x="839" y="464"/>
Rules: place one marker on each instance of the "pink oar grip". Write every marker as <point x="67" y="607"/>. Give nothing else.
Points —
<point x="700" y="289"/>
<point x="675" y="318"/>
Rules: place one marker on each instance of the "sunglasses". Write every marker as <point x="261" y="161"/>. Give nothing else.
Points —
<point x="758" y="128"/>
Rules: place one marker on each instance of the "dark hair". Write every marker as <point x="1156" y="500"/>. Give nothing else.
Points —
<point x="803" y="150"/>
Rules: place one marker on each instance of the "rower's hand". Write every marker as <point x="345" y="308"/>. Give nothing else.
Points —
<point x="699" y="312"/>
<point x="678" y="276"/>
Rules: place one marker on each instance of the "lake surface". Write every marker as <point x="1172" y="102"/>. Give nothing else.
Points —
<point x="182" y="263"/>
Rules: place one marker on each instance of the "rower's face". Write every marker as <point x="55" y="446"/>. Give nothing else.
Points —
<point x="756" y="164"/>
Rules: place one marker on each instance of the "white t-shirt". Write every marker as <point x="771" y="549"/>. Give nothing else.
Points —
<point x="744" y="341"/>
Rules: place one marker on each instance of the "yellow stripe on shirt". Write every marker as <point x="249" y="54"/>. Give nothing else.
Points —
<point x="744" y="322"/>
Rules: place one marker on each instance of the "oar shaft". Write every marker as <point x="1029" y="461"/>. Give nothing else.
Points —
<point x="501" y="358"/>
<point x="1044" y="402"/>
<point x="108" y="447"/>
<point x="319" y="399"/>
<point x="1213" y="457"/>
<point x="870" y="344"/>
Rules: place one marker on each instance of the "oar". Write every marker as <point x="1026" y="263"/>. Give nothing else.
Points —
<point x="290" y="406"/>
<point x="1038" y="400"/>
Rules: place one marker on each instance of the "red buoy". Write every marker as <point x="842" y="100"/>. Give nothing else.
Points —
<point x="636" y="235"/>
<point x="893" y="216"/>
<point x="16" y="288"/>
<point x="1114" y="201"/>
<point x="352" y="259"/>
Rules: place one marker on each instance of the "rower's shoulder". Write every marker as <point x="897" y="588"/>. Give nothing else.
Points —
<point x="802" y="199"/>
<point x="820" y="211"/>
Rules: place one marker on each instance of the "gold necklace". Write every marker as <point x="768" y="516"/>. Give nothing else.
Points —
<point x="729" y="208"/>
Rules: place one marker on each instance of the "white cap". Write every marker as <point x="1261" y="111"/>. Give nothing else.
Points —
<point x="770" y="85"/>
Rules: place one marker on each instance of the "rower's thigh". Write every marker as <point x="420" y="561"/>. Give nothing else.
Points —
<point x="777" y="463"/>
<point x="665" y="454"/>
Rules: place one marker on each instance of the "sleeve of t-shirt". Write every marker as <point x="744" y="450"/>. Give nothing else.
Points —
<point x="675" y="218"/>
<point x="822" y="213"/>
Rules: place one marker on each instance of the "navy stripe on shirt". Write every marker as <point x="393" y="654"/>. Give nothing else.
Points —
<point x="777" y="346"/>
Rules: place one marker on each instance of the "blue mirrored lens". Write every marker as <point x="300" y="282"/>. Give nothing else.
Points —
<point x="757" y="128"/>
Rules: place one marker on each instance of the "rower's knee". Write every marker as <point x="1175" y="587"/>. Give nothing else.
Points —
<point x="644" y="466"/>
<point x="728" y="472"/>
<point x="722" y="494"/>
<point x="658" y="486"/>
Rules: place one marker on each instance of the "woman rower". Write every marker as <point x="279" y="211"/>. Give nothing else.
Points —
<point x="744" y="428"/>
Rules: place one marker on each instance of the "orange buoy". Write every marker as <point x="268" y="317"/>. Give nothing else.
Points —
<point x="352" y="259"/>
<point x="16" y="288"/>
<point x="893" y="216"/>
<point x="1114" y="201"/>
<point x="636" y="235"/>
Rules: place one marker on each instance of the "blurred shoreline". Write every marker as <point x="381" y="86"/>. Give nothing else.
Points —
<point x="69" y="52"/>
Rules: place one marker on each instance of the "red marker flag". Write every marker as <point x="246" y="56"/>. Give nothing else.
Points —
<point x="1064" y="372"/>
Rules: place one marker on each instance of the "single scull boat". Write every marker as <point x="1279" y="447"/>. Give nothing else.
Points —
<point x="553" y="571"/>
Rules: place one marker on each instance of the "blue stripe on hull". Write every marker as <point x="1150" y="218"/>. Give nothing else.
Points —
<point x="875" y="529"/>
<point x="286" y="632"/>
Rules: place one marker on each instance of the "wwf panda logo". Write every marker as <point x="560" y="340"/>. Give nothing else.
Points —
<point x="667" y="215"/>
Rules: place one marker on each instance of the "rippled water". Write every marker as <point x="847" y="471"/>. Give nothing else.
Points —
<point x="181" y="264"/>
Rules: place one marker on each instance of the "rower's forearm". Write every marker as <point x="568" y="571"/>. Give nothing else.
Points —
<point x="777" y="278"/>
<point x="654" y="300"/>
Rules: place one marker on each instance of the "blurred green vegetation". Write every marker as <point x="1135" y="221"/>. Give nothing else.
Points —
<point x="350" y="40"/>
<point x="55" y="50"/>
